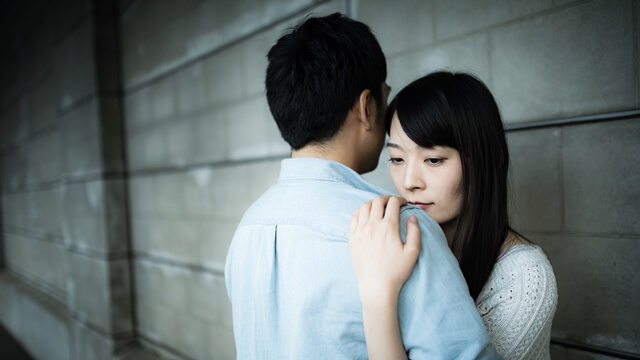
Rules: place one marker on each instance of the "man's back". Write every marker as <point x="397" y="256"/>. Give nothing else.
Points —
<point x="292" y="287"/>
<point x="289" y="274"/>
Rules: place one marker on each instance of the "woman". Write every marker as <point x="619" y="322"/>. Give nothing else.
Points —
<point x="448" y="156"/>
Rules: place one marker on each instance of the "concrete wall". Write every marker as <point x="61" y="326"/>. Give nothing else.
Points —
<point x="134" y="133"/>
<point x="66" y="290"/>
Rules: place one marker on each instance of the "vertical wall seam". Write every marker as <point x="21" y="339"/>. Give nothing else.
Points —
<point x="2" y="251"/>
<point x="434" y="18"/>
<point x="560" y="165"/>
<point x="636" y="51"/>
<point x="490" y="58"/>
<point x="351" y="7"/>
<point x="125" y="168"/>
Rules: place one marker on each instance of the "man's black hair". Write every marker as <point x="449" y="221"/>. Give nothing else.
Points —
<point x="315" y="74"/>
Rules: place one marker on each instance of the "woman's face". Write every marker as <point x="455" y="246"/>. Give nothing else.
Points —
<point x="430" y="178"/>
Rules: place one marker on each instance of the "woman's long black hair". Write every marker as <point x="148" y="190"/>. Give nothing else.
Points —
<point x="457" y="110"/>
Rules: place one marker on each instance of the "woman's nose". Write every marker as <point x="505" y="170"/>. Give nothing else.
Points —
<point x="412" y="177"/>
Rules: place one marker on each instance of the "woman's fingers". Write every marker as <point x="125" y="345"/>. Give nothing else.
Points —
<point x="378" y="207"/>
<point x="392" y="210"/>
<point x="381" y="213"/>
<point x="363" y="214"/>
<point x="380" y="259"/>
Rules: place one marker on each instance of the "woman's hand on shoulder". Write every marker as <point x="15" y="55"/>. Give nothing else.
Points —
<point x="381" y="261"/>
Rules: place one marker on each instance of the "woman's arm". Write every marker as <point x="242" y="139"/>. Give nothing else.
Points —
<point x="518" y="303"/>
<point x="382" y="263"/>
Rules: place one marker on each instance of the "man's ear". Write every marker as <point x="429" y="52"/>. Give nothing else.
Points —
<point x="363" y="108"/>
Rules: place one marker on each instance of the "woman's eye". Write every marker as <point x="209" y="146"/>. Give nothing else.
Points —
<point x="395" y="160"/>
<point x="434" y="161"/>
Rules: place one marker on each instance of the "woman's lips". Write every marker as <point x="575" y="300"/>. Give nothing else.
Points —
<point x="421" y="205"/>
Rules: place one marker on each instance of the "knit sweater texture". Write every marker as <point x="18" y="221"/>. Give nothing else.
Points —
<point x="518" y="302"/>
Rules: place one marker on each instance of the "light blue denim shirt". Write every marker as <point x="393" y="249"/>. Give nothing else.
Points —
<point x="293" y="291"/>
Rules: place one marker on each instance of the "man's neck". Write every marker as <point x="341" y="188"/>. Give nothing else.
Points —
<point x="327" y="152"/>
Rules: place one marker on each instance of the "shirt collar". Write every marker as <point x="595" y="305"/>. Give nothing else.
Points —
<point x="301" y="169"/>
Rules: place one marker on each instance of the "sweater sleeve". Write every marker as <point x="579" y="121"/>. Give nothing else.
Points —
<point x="518" y="302"/>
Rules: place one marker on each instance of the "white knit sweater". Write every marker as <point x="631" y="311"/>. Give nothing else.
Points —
<point x="518" y="302"/>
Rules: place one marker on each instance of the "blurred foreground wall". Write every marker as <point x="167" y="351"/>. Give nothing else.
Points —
<point x="134" y="133"/>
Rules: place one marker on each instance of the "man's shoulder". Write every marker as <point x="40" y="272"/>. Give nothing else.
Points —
<point x="310" y="203"/>
<point x="427" y="224"/>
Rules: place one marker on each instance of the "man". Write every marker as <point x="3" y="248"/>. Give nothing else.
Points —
<point x="289" y="277"/>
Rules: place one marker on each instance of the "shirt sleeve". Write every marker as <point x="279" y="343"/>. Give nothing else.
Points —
<point x="437" y="316"/>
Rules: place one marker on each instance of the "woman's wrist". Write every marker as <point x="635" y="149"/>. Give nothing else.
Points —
<point x="379" y="298"/>
<point x="381" y="327"/>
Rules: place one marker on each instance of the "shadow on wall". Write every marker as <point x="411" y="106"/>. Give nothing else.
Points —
<point x="10" y="348"/>
<point x="2" y="260"/>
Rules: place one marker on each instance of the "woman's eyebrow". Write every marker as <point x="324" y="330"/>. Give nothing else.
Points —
<point x="393" y="145"/>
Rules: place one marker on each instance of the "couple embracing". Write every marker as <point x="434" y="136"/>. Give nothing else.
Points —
<point x="325" y="265"/>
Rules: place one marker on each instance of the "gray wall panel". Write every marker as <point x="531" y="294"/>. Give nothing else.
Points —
<point x="597" y="277"/>
<point x="601" y="172"/>
<point x="575" y="61"/>
<point x="536" y="180"/>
